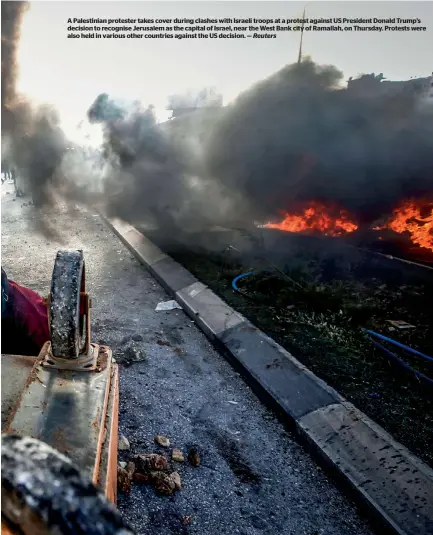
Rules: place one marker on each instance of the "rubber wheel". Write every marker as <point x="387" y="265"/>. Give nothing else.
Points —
<point x="43" y="493"/>
<point x="66" y="323"/>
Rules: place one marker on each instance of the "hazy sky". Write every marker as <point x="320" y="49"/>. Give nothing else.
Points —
<point x="70" y="73"/>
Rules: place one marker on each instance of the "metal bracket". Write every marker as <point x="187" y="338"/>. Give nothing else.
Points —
<point x="87" y="362"/>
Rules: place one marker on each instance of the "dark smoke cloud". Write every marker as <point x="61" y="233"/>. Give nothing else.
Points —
<point x="12" y="14"/>
<point x="290" y="139"/>
<point x="144" y="177"/>
<point x="293" y="138"/>
<point x="32" y="140"/>
<point x="149" y="176"/>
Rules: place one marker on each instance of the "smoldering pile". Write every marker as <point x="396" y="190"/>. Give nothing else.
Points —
<point x="295" y="137"/>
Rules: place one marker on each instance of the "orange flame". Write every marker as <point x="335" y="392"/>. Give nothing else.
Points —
<point x="408" y="218"/>
<point x="316" y="217"/>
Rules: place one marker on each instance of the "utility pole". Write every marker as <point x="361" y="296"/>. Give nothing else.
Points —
<point x="302" y="35"/>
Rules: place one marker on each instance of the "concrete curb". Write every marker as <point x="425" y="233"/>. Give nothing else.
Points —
<point x="396" y="486"/>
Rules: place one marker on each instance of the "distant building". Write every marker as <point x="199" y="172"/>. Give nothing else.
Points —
<point x="194" y="126"/>
<point x="376" y="85"/>
<point x="184" y="104"/>
<point x="181" y="112"/>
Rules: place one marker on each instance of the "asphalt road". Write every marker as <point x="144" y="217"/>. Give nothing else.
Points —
<point x="254" y="477"/>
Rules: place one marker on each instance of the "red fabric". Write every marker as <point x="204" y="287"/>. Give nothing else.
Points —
<point x="30" y="313"/>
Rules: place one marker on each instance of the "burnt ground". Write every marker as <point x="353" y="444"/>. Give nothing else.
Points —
<point x="315" y="299"/>
<point x="254" y="478"/>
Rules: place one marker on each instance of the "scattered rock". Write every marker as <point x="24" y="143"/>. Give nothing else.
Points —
<point x="194" y="456"/>
<point x="137" y="337"/>
<point x="175" y="477"/>
<point x="143" y="479"/>
<point x="163" y="483"/>
<point x="135" y="353"/>
<point x="130" y="352"/>
<point x="162" y="441"/>
<point x="178" y="456"/>
<point x="163" y="342"/>
<point x="123" y="480"/>
<point x="146" y="462"/>
<point x="130" y="468"/>
<point x="123" y="444"/>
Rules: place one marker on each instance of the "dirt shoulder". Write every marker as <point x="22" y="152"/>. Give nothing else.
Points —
<point x="316" y="304"/>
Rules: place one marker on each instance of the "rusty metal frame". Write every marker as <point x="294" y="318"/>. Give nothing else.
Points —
<point x="73" y="411"/>
<point x="106" y="477"/>
<point x="56" y="400"/>
<point x="5" y="528"/>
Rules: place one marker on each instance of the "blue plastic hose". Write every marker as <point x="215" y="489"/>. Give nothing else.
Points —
<point x="398" y="344"/>
<point x="247" y="274"/>
<point x="372" y="333"/>
<point x="402" y="363"/>
<point x="239" y="277"/>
